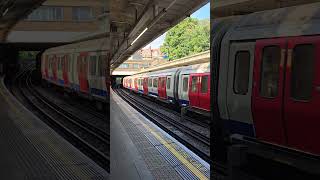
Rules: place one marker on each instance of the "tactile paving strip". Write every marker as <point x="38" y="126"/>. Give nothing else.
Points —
<point x="156" y="164"/>
<point x="181" y="168"/>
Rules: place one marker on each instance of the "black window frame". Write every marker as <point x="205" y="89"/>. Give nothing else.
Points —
<point x="194" y="85"/>
<point x="183" y="84"/>
<point x="168" y="82"/>
<point x="261" y="71"/>
<point x="207" y="84"/>
<point x="292" y="71"/>
<point x="235" y="74"/>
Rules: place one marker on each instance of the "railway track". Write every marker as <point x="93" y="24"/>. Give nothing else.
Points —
<point x="190" y="134"/>
<point x="81" y="112"/>
<point x="91" y="140"/>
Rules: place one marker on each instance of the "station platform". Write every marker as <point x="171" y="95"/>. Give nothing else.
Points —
<point x="141" y="150"/>
<point x="29" y="149"/>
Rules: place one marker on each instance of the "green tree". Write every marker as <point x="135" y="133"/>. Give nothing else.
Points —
<point x="28" y="54"/>
<point x="188" y="37"/>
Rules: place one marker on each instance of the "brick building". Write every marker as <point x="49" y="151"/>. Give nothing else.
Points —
<point x="142" y="59"/>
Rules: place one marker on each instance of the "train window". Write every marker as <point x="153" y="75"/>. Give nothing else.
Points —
<point x="204" y="84"/>
<point x="241" y="72"/>
<point x="102" y="65"/>
<point x="64" y="63"/>
<point x="150" y="82"/>
<point x="59" y="63"/>
<point x="68" y="62"/>
<point x="168" y="82"/>
<point x="194" y="83"/>
<point x="270" y="71"/>
<point x="155" y="82"/>
<point x="303" y="61"/>
<point x="185" y="84"/>
<point x="92" y="65"/>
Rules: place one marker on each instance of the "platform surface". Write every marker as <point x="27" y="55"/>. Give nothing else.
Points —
<point x="141" y="150"/>
<point x="29" y="149"/>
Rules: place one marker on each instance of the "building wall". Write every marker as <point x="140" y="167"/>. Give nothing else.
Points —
<point x="67" y="23"/>
<point x="142" y="59"/>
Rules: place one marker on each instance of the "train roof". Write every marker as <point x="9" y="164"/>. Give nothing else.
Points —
<point x="163" y="72"/>
<point x="283" y="22"/>
<point x="196" y="68"/>
<point x="91" y="45"/>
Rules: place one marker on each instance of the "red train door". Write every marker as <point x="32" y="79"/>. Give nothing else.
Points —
<point x="194" y="90"/>
<point x="302" y="93"/>
<point x="145" y="86"/>
<point x="267" y="99"/>
<point x="204" y="91"/>
<point x="162" y="87"/>
<point x="136" y="84"/>
<point x="65" y="65"/>
<point x="46" y="66"/>
<point x="83" y="72"/>
<point x="55" y="68"/>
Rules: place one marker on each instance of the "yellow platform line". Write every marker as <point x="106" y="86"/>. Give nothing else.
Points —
<point x="182" y="159"/>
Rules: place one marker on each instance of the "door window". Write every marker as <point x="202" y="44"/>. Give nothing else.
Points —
<point x="155" y="82"/>
<point x="168" y="82"/>
<point x="303" y="61"/>
<point x="163" y="82"/>
<point x="241" y="72"/>
<point x="68" y="59"/>
<point x="204" y="84"/>
<point x="270" y="71"/>
<point x="92" y="65"/>
<point x="150" y="82"/>
<point x="185" y="84"/>
<point x="194" y="84"/>
<point x="59" y="64"/>
<point x="102" y="65"/>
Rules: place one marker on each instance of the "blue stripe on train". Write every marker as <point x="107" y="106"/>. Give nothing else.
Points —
<point x="152" y="93"/>
<point x="171" y="99"/>
<point x="183" y="102"/>
<point x="60" y="81"/>
<point x="140" y="91"/>
<point x="76" y="87"/>
<point x="237" y="127"/>
<point x="98" y="92"/>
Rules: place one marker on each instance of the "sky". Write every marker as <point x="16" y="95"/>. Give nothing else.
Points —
<point x="202" y="13"/>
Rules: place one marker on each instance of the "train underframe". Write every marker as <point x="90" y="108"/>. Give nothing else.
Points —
<point x="100" y="104"/>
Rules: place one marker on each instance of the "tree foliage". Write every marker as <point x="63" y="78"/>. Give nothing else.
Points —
<point x="188" y="37"/>
<point x="28" y="54"/>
